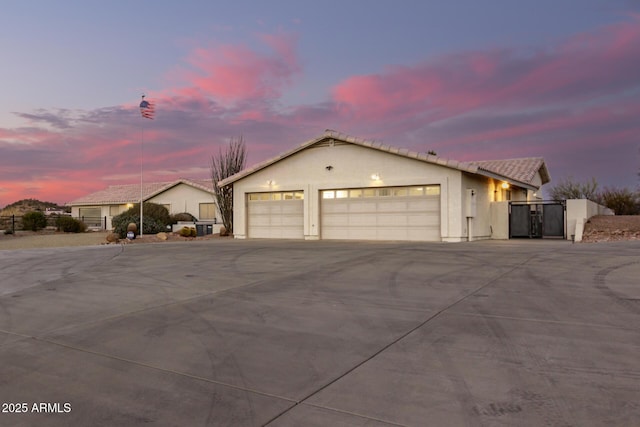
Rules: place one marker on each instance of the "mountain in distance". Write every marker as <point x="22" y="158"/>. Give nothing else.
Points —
<point x="23" y="206"/>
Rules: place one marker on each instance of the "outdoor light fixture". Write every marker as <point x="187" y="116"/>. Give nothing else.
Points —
<point x="129" y="205"/>
<point x="375" y="177"/>
<point x="505" y="185"/>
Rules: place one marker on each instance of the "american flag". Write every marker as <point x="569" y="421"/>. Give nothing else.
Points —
<point x="147" y="109"/>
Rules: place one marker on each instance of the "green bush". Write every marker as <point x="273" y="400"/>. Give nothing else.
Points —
<point x="188" y="232"/>
<point x="70" y="225"/>
<point x="34" y="221"/>
<point x="156" y="219"/>
<point x="184" y="216"/>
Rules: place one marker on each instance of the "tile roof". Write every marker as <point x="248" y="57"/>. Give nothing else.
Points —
<point x="130" y="193"/>
<point x="520" y="171"/>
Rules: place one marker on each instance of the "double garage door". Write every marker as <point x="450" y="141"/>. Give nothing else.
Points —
<point x="387" y="213"/>
<point x="392" y="213"/>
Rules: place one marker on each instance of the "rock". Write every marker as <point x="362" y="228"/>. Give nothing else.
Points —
<point x="113" y="238"/>
<point x="223" y="231"/>
<point x="162" y="236"/>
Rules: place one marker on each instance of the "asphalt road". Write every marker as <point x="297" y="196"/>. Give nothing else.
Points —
<point x="252" y="333"/>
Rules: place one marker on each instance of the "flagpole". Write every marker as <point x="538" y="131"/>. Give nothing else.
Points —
<point x="141" y="175"/>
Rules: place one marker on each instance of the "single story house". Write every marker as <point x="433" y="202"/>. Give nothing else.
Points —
<point x="340" y="187"/>
<point x="183" y="195"/>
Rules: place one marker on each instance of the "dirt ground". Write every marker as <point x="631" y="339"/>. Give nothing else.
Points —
<point x="49" y="239"/>
<point x="606" y="228"/>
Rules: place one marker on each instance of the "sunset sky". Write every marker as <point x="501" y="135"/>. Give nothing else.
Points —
<point x="471" y="80"/>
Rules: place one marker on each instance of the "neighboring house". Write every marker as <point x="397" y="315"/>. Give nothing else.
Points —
<point x="183" y="195"/>
<point x="341" y="187"/>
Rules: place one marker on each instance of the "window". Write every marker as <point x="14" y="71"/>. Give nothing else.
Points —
<point x="298" y="195"/>
<point x="342" y="194"/>
<point x="369" y="192"/>
<point x="383" y="192"/>
<point x="207" y="211"/>
<point x="328" y="194"/>
<point x="399" y="192"/>
<point x="355" y="193"/>
<point x="416" y="191"/>
<point x="433" y="190"/>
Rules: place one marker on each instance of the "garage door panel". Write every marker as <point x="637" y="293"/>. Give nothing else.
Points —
<point x="275" y="218"/>
<point x="383" y="217"/>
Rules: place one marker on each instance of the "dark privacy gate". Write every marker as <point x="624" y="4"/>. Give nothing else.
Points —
<point x="537" y="219"/>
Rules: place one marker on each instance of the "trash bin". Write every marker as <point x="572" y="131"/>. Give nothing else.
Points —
<point x="209" y="228"/>
<point x="200" y="229"/>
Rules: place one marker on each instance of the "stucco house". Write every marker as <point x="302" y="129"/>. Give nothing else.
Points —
<point x="183" y="195"/>
<point x="341" y="187"/>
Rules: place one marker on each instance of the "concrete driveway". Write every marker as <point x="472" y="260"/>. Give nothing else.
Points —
<point x="252" y="333"/>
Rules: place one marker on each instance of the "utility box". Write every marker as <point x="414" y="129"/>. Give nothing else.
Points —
<point x="470" y="203"/>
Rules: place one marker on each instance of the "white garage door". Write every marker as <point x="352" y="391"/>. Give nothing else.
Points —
<point x="388" y="213"/>
<point x="276" y="215"/>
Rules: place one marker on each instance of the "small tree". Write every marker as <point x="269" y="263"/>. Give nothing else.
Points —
<point x="621" y="201"/>
<point x="34" y="221"/>
<point x="228" y="162"/>
<point x="156" y="218"/>
<point x="569" y="189"/>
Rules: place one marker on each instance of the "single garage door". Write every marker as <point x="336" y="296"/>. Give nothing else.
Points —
<point x="387" y="213"/>
<point x="276" y="215"/>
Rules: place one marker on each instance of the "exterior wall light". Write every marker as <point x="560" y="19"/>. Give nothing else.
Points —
<point x="375" y="177"/>
<point x="129" y="205"/>
<point x="505" y="185"/>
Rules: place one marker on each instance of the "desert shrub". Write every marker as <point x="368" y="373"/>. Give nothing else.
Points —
<point x="34" y="221"/>
<point x="183" y="216"/>
<point x="156" y="219"/>
<point x="621" y="201"/>
<point x="70" y="225"/>
<point x="187" y="232"/>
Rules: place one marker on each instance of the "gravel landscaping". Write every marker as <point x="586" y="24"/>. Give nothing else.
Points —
<point x="610" y="228"/>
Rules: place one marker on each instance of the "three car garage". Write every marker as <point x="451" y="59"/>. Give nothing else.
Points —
<point x="340" y="187"/>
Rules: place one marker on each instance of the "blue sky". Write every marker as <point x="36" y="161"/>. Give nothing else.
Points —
<point x="471" y="80"/>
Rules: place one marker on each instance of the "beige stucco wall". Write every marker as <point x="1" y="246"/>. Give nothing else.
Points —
<point x="479" y="226"/>
<point x="499" y="220"/>
<point x="351" y="167"/>
<point x="184" y="198"/>
<point x="578" y="212"/>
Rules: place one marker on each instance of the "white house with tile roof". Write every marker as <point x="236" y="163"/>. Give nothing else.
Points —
<point x="340" y="187"/>
<point x="183" y="195"/>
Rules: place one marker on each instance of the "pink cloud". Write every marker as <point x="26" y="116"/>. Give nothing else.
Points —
<point x="235" y="72"/>
<point x="584" y="67"/>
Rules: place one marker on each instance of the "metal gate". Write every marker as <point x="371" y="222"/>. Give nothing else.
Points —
<point x="537" y="219"/>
